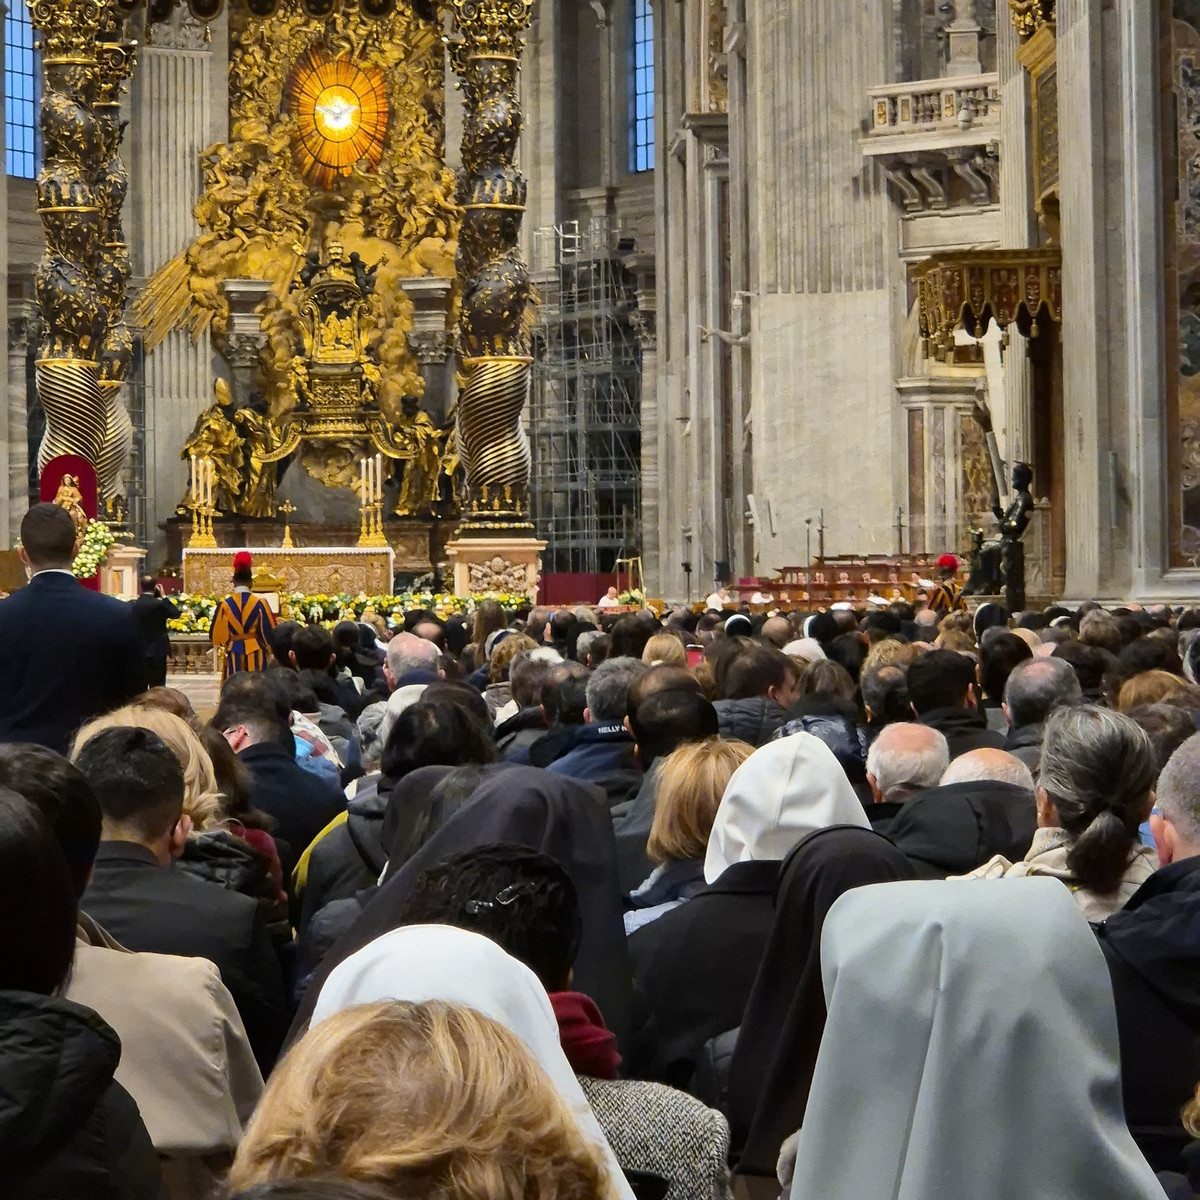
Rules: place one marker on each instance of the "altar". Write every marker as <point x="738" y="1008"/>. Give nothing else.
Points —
<point x="311" y="570"/>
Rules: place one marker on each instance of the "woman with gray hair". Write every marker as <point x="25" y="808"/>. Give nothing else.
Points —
<point x="1097" y="775"/>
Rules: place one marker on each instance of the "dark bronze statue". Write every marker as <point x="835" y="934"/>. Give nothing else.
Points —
<point x="1002" y="560"/>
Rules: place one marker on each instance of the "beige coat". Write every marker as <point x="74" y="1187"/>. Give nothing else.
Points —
<point x="185" y="1057"/>
<point x="1048" y="856"/>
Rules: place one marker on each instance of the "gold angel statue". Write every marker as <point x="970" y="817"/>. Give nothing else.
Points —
<point x="216" y="437"/>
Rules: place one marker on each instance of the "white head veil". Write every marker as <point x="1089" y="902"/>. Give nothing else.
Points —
<point x="790" y="787"/>
<point x="438" y="962"/>
<point x="970" y="1050"/>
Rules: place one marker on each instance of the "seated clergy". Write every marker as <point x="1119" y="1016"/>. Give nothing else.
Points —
<point x="142" y="901"/>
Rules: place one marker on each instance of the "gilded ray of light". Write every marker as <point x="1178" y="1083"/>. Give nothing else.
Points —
<point x="341" y="113"/>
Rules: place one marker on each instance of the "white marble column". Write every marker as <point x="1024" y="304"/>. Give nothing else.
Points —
<point x="1014" y="413"/>
<point x="14" y="441"/>
<point x="178" y="99"/>
<point x="1083" y="140"/>
<point x="826" y="277"/>
<point x="680" y="507"/>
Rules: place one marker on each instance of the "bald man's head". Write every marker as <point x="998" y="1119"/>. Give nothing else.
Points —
<point x="996" y="766"/>
<point x="406" y="653"/>
<point x="905" y="758"/>
<point x="777" y="631"/>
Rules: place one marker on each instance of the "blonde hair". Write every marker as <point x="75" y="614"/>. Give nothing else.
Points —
<point x="1191" y="1114"/>
<point x="431" y="1099"/>
<point x="690" y="786"/>
<point x="665" y="648"/>
<point x="504" y="653"/>
<point x="888" y="652"/>
<point x="202" y="800"/>
<point x="1155" y="687"/>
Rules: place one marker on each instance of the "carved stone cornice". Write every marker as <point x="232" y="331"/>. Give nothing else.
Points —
<point x="970" y="288"/>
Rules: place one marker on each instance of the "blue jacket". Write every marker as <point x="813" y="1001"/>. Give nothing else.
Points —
<point x="597" y="751"/>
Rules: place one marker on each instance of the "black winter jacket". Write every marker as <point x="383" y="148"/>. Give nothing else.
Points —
<point x="1152" y="947"/>
<point x="221" y="857"/>
<point x="952" y="830"/>
<point x="350" y="857"/>
<point x="964" y="729"/>
<point x="754" y="720"/>
<point x="68" y="1130"/>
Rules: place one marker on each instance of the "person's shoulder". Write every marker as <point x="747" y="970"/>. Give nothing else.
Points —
<point x="144" y="979"/>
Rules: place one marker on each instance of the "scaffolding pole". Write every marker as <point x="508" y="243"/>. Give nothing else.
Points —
<point x="585" y="414"/>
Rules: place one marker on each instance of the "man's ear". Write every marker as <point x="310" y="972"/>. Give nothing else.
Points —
<point x="24" y="557"/>
<point x="179" y="835"/>
<point x="292" y="660"/>
<point x="1007" y="714"/>
<point x="389" y="678"/>
<point x="237" y="738"/>
<point x="876" y="792"/>
<point x="1164" y="839"/>
<point x="587" y="716"/>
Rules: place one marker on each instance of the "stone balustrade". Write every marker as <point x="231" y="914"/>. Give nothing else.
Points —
<point x="967" y="105"/>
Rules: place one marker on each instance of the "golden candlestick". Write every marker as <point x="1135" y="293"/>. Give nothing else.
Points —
<point x="193" y="506"/>
<point x="287" y="508"/>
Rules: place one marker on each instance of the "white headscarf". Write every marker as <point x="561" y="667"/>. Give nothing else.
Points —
<point x="970" y="1050"/>
<point x="807" y="648"/>
<point x="438" y="962"/>
<point x="790" y="787"/>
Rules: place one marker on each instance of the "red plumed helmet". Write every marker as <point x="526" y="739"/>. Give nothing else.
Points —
<point x="946" y="563"/>
<point x="242" y="561"/>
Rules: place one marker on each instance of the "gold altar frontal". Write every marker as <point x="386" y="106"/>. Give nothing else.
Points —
<point x="311" y="570"/>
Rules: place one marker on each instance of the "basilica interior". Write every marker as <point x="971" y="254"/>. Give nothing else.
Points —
<point x="672" y="293"/>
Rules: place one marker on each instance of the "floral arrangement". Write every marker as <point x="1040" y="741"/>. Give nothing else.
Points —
<point x="633" y="596"/>
<point x="196" y="612"/>
<point x="93" y="549"/>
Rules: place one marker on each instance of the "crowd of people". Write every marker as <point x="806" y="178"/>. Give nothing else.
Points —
<point x="579" y="905"/>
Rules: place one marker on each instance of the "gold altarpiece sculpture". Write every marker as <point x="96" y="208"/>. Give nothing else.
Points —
<point x="80" y="282"/>
<point x="337" y="140"/>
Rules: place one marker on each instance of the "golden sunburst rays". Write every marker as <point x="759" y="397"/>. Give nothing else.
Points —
<point x="341" y="112"/>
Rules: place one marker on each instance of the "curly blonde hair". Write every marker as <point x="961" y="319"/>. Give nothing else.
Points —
<point x="431" y="1099"/>
<point x="202" y="799"/>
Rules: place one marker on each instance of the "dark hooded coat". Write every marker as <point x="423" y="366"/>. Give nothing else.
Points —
<point x="952" y="830"/>
<point x="67" y="1128"/>
<point x="559" y="816"/>
<point x="772" y="1067"/>
<point x="1152" y="947"/>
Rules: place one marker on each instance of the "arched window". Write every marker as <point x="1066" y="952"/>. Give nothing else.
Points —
<point x="22" y="148"/>
<point x="641" y="87"/>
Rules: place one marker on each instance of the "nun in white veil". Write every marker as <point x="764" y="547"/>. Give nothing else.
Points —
<point x="437" y="962"/>
<point x="970" y="1052"/>
<point x="784" y="791"/>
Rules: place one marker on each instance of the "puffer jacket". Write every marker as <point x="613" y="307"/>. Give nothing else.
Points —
<point x="220" y="857"/>
<point x="846" y="738"/>
<point x="349" y="857"/>
<point x="754" y="720"/>
<point x="68" y="1130"/>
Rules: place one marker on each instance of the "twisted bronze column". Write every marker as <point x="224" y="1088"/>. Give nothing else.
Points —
<point x="72" y="308"/>
<point x="493" y="338"/>
<point x="115" y="58"/>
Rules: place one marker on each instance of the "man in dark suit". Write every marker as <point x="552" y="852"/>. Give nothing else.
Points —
<point x="153" y="610"/>
<point x="69" y="654"/>
<point x="138" y="896"/>
<point x="257" y="725"/>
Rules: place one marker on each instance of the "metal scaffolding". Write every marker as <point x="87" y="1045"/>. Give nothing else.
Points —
<point x="585" y="411"/>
